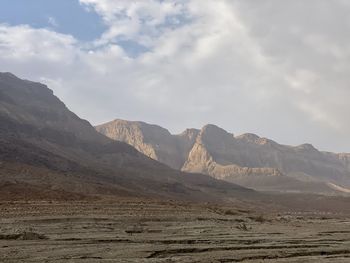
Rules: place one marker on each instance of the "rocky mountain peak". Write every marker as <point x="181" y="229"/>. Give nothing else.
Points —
<point x="212" y="130"/>
<point x="307" y="147"/>
<point x="33" y="104"/>
<point x="248" y="137"/>
<point x="191" y="134"/>
<point x="215" y="137"/>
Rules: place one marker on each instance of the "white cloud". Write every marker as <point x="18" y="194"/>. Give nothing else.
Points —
<point x="138" y="20"/>
<point x="23" y="43"/>
<point x="250" y="66"/>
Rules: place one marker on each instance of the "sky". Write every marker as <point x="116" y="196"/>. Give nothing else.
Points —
<point x="279" y="69"/>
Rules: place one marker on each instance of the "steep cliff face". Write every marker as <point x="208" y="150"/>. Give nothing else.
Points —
<point x="133" y="134"/>
<point x="246" y="159"/>
<point x="220" y="155"/>
<point x="152" y="140"/>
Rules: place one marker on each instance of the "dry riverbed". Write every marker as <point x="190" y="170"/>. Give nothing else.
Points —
<point x="150" y="231"/>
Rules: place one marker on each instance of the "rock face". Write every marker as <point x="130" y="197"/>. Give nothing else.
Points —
<point x="45" y="148"/>
<point x="152" y="140"/>
<point x="247" y="159"/>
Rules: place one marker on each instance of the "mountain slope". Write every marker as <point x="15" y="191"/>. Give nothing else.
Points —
<point x="247" y="160"/>
<point x="47" y="147"/>
<point x="152" y="140"/>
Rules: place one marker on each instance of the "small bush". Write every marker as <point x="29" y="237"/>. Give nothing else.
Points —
<point x="25" y="235"/>
<point x="259" y="219"/>
<point x="243" y="227"/>
<point x="230" y="212"/>
<point x="136" y="229"/>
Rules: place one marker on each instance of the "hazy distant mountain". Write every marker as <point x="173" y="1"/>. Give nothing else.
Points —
<point x="248" y="160"/>
<point x="46" y="150"/>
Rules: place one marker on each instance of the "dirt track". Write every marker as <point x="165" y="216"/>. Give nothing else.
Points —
<point x="149" y="231"/>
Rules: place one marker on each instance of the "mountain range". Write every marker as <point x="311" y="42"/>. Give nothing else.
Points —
<point x="48" y="151"/>
<point x="247" y="160"/>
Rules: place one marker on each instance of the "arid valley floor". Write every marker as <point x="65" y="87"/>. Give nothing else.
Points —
<point x="129" y="230"/>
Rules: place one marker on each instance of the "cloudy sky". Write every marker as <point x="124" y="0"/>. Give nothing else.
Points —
<point x="280" y="69"/>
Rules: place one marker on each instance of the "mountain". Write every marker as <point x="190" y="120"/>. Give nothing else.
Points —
<point x="152" y="140"/>
<point x="46" y="151"/>
<point x="248" y="159"/>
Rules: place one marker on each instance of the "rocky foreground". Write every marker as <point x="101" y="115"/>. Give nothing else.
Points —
<point x="129" y="230"/>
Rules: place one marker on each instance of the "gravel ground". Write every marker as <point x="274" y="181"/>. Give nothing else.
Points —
<point x="152" y="231"/>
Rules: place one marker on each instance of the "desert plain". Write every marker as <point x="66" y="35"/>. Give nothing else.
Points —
<point x="147" y="230"/>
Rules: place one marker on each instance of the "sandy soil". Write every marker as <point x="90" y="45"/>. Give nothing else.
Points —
<point x="151" y="231"/>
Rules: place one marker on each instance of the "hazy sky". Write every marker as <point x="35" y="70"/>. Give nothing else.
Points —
<point x="280" y="69"/>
